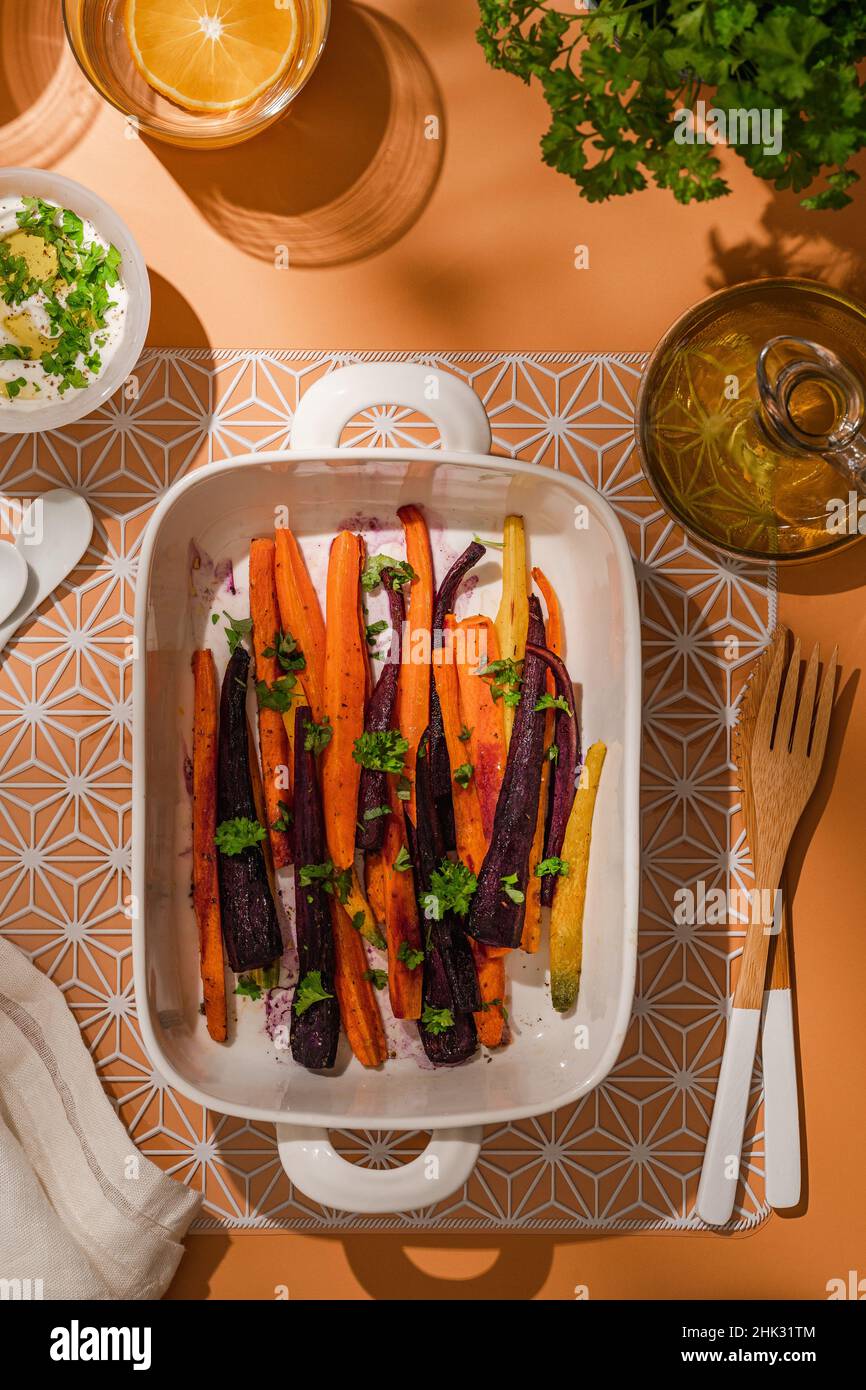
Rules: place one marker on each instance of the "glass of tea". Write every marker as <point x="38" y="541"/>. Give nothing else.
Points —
<point x="198" y="73"/>
<point x="751" y="420"/>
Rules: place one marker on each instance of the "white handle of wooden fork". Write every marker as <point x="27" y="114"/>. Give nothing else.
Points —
<point x="781" y="1101"/>
<point x="721" y="1168"/>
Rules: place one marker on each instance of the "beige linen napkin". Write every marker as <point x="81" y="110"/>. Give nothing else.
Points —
<point x="80" y="1209"/>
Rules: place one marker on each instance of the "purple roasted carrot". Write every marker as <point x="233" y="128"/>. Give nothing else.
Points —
<point x="373" y="792"/>
<point x="568" y="756"/>
<point x="498" y="906"/>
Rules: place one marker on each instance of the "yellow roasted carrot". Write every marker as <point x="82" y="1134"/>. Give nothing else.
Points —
<point x="566" y="915"/>
<point x="206" y="901"/>
<point x="512" y="618"/>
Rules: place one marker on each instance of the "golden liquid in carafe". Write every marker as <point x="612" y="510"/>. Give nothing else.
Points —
<point x="718" y="465"/>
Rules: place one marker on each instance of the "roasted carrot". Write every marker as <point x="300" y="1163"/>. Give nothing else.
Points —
<point x="301" y="615"/>
<point x="413" y="689"/>
<point x="268" y="976"/>
<point x="273" y="738"/>
<point x="357" y="998"/>
<point x="206" y="899"/>
<point x="490" y="1020"/>
<point x="402" y="923"/>
<point x="344" y="689"/>
<point x="531" y="939"/>
<point x="512" y="617"/>
<point x="566" y="917"/>
<point x="476" y="646"/>
<point x="374" y="874"/>
<point x="452" y="676"/>
<point x="471" y="846"/>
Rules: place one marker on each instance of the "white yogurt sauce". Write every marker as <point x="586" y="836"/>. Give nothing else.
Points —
<point x="106" y="340"/>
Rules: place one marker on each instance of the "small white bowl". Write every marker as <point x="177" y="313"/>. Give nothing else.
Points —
<point x="54" y="188"/>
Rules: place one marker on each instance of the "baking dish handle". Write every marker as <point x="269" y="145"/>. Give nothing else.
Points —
<point x="316" y="1169"/>
<point x="331" y="402"/>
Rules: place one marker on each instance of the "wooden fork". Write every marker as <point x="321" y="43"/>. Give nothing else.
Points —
<point x="779" y="776"/>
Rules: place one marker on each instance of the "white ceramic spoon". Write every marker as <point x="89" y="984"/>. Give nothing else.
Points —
<point x="13" y="579"/>
<point x="55" y="532"/>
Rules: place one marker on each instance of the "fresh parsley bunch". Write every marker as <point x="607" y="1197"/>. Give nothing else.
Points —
<point x="615" y="75"/>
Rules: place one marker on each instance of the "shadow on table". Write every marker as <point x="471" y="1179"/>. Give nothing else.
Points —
<point x="827" y="246"/>
<point x="46" y="104"/>
<point x="173" y="321"/>
<point x="349" y="169"/>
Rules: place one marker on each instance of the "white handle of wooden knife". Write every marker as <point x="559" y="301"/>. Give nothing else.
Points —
<point x="721" y="1168"/>
<point x="781" y="1101"/>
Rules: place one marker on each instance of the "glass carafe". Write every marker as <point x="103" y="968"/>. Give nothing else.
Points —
<point x="751" y="420"/>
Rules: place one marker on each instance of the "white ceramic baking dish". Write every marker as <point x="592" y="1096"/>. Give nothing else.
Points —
<point x="575" y="536"/>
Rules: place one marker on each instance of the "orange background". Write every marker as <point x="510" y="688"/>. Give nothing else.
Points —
<point x="398" y="242"/>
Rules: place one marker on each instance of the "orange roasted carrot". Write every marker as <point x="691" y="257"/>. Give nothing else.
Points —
<point x="471" y="840"/>
<point x="273" y="739"/>
<point x="301" y="615"/>
<point x="531" y="937"/>
<point x="490" y="969"/>
<point x="481" y="716"/>
<point x="374" y="875"/>
<point x="359" y="1010"/>
<point x="476" y="646"/>
<point x="344" y="689"/>
<point x="206" y="901"/>
<point x="402" y="922"/>
<point x="343" y="692"/>
<point x="413" y="687"/>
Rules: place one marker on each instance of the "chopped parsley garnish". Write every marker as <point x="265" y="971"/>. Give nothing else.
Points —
<point x="451" y="889"/>
<point x="402" y="862"/>
<point x="552" y="702"/>
<point x="410" y="957"/>
<point x="372" y="630"/>
<point x="465" y="734"/>
<point x="506" y="679"/>
<point x="234" y="836"/>
<point x="381" y="752"/>
<point x="404" y="788"/>
<point x="463" y="774"/>
<point x="553" y="867"/>
<point x="378" y="978"/>
<point x="248" y="986"/>
<point x="237" y="629"/>
<point x="402" y="572"/>
<point x="375" y="812"/>
<point x="436" y="1020"/>
<point x="310" y="991"/>
<point x="13" y="388"/>
<point x="318" y="736"/>
<point x="552" y="753"/>
<point x="338" y="882"/>
<point x="287" y="652"/>
<point x="286" y="818"/>
<point x="508" y="882"/>
<point x="278" y="696"/>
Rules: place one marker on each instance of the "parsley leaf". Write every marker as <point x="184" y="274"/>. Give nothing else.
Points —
<point x="310" y="991"/>
<point x="286" y="818"/>
<point x="378" y="978"/>
<point x="318" y="736"/>
<point x="278" y="696"/>
<point x="508" y="882"/>
<point x="410" y="957"/>
<point x="402" y="572"/>
<point x="553" y="866"/>
<point x="234" y="836"/>
<point x="436" y="1020"/>
<point x="237" y="629"/>
<point x="463" y="774"/>
<point x="451" y="889"/>
<point x="248" y="986"/>
<point x="381" y="752"/>
<point x="335" y="881"/>
<point x="552" y="702"/>
<point x="287" y="652"/>
<point x="402" y="861"/>
<point x="375" y="812"/>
